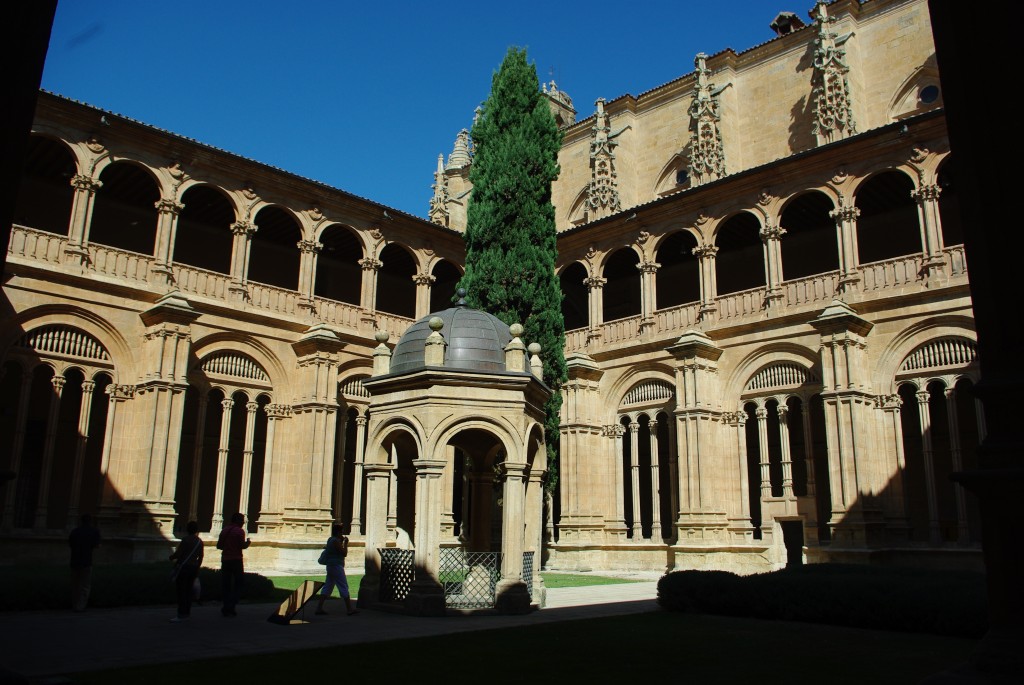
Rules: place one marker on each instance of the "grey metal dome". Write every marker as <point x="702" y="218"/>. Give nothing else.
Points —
<point x="476" y="341"/>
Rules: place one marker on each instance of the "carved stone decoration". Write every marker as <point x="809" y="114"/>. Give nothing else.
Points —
<point x="642" y="237"/>
<point x="439" y="213"/>
<point x="919" y="154"/>
<point x="603" y="192"/>
<point x="706" y="158"/>
<point x="840" y="176"/>
<point x="765" y="198"/>
<point x="248" y="192"/>
<point x="315" y="213"/>
<point x="460" y="156"/>
<point x="833" y="113"/>
<point x="95" y="144"/>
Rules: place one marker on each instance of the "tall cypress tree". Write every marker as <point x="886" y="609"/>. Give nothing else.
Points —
<point x="510" y="232"/>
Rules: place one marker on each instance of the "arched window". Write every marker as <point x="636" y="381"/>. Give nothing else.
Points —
<point x="45" y="194"/>
<point x="678" y="277"/>
<point x="621" y="293"/>
<point x="338" y="274"/>
<point x="396" y="290"/>
<point x="575" y="297"/>
<point x="888" y="225"/>
<point x="739" y="264"/>
<point x="274" y="253"/>
<point x="442" y="290"/>
<point x="203" y="238"/>
<point x="124" y="213"/>
<point x="809" y="245"/>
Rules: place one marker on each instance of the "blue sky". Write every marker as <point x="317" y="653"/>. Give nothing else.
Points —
<point x="364" y="95"/>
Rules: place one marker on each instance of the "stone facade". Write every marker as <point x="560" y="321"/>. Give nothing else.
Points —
<point x="770" y="335"/>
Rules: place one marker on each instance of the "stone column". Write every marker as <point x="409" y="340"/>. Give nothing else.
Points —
<point x="618" y="527"/>
<point x="376" y="530"/>
<point x="197" y="458"/>
<point x="595" y="301"/>
<point x="110" y="504"/>
<point x="242" y="232"/>
<point x="423" y="282"/>
<point x="809" y="448"/>
<point x="356" y="525"/>
<point x="928" y="456"/>
<point x="81" y="216"/>
<point x="339" y="466"/>
<point x="963" y="530"/>
<point x="270" y="501"/>
<point x="930" y="222"/>
<point x="18" y="445"/>
<point x="511" y="594"/>
<point x="426" y="596"/>
<point x="368" y="297"/>
<point x="652" y="427"/>
<point x="83" y="438"/>
<point x="42" y="500"/>
<point x="765" y="460"/>
<point x="634" y="472"/>
<point x="166" y="230"/>
<point x="308" y="251"/>
<point x="708" y="280"/>
<point x="741" y="453"/>
<point x="647" y="294"/>
<point x="247" y="452"/>
<point x="850" y="425"/>
<point x="891" y="437"/>
<point x="534" y="528"/>
<point x="306" y="507"/>
<point x="770" y="236"/>
<point x="158" y="413"/>
<point x="222" y="464"/>
<point x="846" y="232"/>
<point x="700" y="518"/>
<point x="787" y="457"/>
<point x="587" y="464"/>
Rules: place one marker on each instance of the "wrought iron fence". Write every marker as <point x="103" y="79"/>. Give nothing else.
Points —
<point x="468" y="579"/>
<point x="397" y="571"/>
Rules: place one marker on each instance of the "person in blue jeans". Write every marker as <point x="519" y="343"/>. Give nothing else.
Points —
<point x="334" y="558"/>
<point x="231" y="543"/>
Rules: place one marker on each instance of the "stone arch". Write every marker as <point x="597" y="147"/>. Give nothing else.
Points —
<point x="911" y="338"/>
<point x="71" y="317"/>
<point x="273" y="249"/>
<point x="442" y="290"/>
<point x="124" y="214"/>
<point x="621" y="295"/>
<point x="763" y="359"/>
<point x="203" y="237"/>
<point x="739" y="264"/>
<point x="669" y="177"/>
<point x="45" y="195"/>
<point x="888" y="225"/>
<point x="809" y="246"/>
<point x="919" y="92"/>
<point x="575" y="296"/>
<point x="243" y="346"/>
<point x="396" y="289"/>
<point x="338" y="273"/>
<point x="577" y="215"/>
<point x="677" y="280"/>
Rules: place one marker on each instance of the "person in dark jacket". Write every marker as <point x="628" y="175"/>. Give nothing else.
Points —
<point x="231" y="542"/>
<point x="82" y="540"/>
<point x="189" y="556"/>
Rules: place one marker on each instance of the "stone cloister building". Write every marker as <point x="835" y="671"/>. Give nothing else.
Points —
<point x="769" y="327"/>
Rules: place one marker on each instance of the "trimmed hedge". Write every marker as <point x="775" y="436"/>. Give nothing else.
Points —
<point x="879" y="598"/>
<point x="49" y="587"/>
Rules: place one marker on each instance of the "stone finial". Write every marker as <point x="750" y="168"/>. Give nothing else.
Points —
<point x="515" y="351"/>
<point x="433" y="352"/>
<point x="706" y="154"/>
<point x="381" y="354"/>
<point x="536" y="367"/>
<point x="460" y="156"/>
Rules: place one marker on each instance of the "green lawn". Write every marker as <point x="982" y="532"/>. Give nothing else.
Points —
<point x="663" y="646"/>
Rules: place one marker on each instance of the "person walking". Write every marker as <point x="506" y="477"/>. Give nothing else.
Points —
<point x="231" y="542"/>
<point x="189" y="556"/>
<point x="333" y="557"/>
<point x="82" y="540"/>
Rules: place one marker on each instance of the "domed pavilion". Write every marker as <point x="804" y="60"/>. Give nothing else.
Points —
<point x="454" y="463"/>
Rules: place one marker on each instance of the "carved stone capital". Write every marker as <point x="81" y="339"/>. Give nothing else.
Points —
<point x="926" y="193"/>
<point x="87" y="183"/>
<point x="165" y="206"/>
<point x="311" y="246"/>
<point x="594" y="282"/>
<point x="246" y="228"/>
<point x="423" y="279"/>
<point x="370" y="264"/>
<point x="771" y="232"/>
<point x="648" y="267"/>
<point x="845" y="213"/>
<point x="705" y="250"/>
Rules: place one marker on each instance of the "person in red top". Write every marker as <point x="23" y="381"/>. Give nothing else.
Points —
<point x="231" y="542"/>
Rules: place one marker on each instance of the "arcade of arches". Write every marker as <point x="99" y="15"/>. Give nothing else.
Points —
<point x="769" y="364"/>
